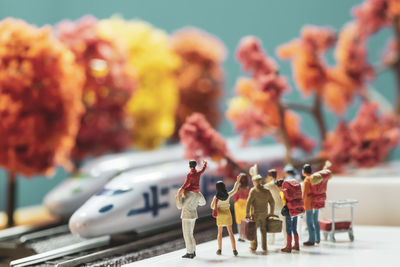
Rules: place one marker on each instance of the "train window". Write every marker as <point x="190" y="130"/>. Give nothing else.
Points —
<point x="103" y="192"/>
<point x="121" y="191"/>
<point x="113" y="192"/>
<point x="106" y="208"/>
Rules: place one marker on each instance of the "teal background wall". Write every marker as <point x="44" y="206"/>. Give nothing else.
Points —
<point x="274" y="22"/>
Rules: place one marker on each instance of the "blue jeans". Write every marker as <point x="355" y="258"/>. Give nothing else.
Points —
<point x="313" y="226"/>
<point x="291" y="225"/>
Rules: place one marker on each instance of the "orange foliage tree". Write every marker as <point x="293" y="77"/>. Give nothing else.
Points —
<point x="258" y="110"/>
<point x="200" y="77"/>
<point x="40" y="102"/>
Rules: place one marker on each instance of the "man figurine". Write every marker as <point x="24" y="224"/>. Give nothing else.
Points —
<point x="291" y="173"/>
<point x="192" y="182"/>
<point x="257" y="202"/>
<point x="312" y="212"/>
<point x="275" y="192"/>
<point x="187" y="199"/>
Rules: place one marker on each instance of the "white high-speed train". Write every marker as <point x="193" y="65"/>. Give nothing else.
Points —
<point x="142" y="199"/>
<point x="69" y="195"/>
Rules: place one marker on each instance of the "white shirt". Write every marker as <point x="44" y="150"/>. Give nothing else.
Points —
<point x="273" y="188"/>
<point x="189" y="204"/>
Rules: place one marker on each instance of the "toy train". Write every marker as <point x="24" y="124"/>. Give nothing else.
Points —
<point x="144" y="198"/>
<point x="68" y="196"/>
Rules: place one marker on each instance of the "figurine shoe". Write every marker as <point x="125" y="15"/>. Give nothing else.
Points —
<point x="241" y="240"/>
<point x="188" y="256"/>
<point x="235" y="252"/>
<point x="219" y="252"/>
<point x="296" y="248"/>
<point x="286" y="250"/>
<point x="308" y="244"/>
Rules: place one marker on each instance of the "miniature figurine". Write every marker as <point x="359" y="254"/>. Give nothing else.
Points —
<point x="312" y="202"/>
<point x="257" y="203"/>
<point x="240" y="199"/>
<point x="291" y="173"/>
<point x="220" y="204"/>
<point x="188" y="198"/>
<point x="275" y="191"/>
<point x="292" y="201"/>
<point x="192" y="182"/>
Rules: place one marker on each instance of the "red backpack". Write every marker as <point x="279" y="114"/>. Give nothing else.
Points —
<point x="319" y="184"/>
<point x="292" y="192"/>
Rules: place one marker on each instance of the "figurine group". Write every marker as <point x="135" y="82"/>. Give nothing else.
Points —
<point x="283" y="198"/>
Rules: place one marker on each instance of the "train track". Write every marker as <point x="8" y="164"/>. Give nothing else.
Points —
<point x="57" y="247"/>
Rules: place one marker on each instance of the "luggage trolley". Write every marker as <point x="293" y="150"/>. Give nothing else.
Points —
<point x="332" y="226"/>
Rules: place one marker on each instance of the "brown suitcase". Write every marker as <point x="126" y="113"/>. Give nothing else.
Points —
<point x="274" y="224"/>
<point x="248" y="229"/>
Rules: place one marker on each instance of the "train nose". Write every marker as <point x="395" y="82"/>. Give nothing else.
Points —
<point x="79" y="224"/>
<point x="56" y="205"/>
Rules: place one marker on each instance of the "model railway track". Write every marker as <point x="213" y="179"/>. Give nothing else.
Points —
<point x="109" y="250"/>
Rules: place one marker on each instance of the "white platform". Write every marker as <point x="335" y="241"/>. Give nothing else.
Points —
<point x="377" y="199"/>
<point x="374" y="246"/>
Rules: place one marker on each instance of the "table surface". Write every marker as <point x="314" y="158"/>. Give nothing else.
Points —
<point x="373" y="246"/>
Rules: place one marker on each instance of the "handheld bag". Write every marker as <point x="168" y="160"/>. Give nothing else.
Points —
<point x="248" y="229"/>
<point x="274" y="224"/>
<point x="215" y="210"/>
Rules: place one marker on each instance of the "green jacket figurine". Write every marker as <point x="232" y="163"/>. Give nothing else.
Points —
<point x="257" y="207"/>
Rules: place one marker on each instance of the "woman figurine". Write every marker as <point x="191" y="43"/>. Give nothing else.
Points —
<point x="220" y="204"/>
<point x="240" y="199"/>
<point x="293" y="206"/>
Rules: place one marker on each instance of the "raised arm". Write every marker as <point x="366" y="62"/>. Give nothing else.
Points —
<point x="204" y="167"/>
<point x="327" y="165"/>
<point x="234" y="189"/>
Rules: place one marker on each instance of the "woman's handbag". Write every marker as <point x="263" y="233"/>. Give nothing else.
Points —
<point x="215" y="210"/>
<point x="274" y="224"/>
<point x="285" y="211"/>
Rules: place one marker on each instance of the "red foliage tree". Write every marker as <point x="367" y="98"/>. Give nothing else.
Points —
<point x="365" y="141"/>
<point x="109" y="85"/>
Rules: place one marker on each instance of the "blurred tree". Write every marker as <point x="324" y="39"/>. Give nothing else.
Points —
<point x="40" y="102"/>
<point x="200" y="77"/>
<point x="110" y="83"/>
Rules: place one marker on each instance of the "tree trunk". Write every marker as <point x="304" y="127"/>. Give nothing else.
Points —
<point x="317" y="112"/>
<point x="396" y="65"/>
<point x="11" y="197"/>
<point x="283" y="133"/>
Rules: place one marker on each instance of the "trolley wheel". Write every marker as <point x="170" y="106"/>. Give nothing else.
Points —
<point x="332" y="237"/>
<point x="351" y="236"/>
<point x="325" y="236"/>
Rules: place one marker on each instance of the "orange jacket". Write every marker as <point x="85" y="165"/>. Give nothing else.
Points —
<point x="307" y="194"/>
